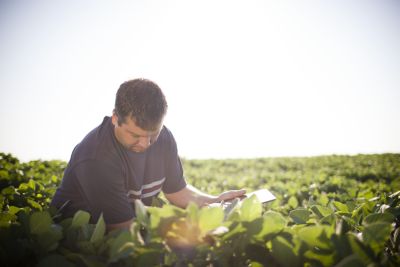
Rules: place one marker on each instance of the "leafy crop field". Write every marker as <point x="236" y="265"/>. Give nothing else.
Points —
<point x="330" y="211"/>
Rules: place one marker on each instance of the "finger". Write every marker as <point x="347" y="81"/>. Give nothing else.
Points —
<point x="228" y="195"/>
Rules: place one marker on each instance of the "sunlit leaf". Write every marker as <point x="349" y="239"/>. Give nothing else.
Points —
<point x="251" y="209"/>
<point x="274" y="222"/>
<point x="321" y="211"/>
<point x="99" y="230"/>
<point x="80" y="218"/>
<point x="316" y="236"/>
<point x="340" y="206"/>
<point x="210" y="218"/>
<point x="293" y="202"/>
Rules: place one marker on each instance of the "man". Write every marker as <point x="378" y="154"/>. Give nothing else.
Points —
<point x="129" y="156"/>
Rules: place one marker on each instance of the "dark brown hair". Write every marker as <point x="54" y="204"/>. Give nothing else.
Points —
<point x="143" y="101"/>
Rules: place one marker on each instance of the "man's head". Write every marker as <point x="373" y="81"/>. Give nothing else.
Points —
<point x="140" y="107"/>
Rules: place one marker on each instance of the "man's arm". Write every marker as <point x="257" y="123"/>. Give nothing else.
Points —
<point x="191" y="194"/>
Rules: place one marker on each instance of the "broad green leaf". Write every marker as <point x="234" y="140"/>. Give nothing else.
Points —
<point x="32" y="184"/>
<point x="165" y="212"/>
<point x="283" y="252"/>
<point x="340" y="206"/>
<point x="80" y="219"/>
<point x="350" y="261"/>
<point x="364" y="253"/>
<point x="192" y="212"/>
<point x="231" y="207"/>
<point x="379" y="217"/>
<point x="48" y="240"/>
<point x="293" y="202"/>
<point x="99" y="230"/>
<point x="149" y="257"/>
<point x="251" y="209"/>
<point x="34" y="204"/>
<point x="40" y="222"/>
<point x="376" y="234"/>
<point x="300" y="215"/>
<point x="321" y="211"/>
<point x="323" y="200"/>
<point x="316" y="236"/>
<point x="8" y="190"/>
<point x="210" y="218"/>
<point x="274" y="222"/>
<point x="14" y="210"/>
<point x="120" y="246"/>
<point x="324" y="258"/>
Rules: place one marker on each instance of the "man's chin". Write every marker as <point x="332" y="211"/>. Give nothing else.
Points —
<point x="137" y="149"/>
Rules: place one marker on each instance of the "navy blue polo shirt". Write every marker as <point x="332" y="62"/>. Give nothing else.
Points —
<point x="104" y="177"/>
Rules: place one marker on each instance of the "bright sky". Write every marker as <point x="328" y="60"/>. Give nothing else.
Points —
<point x="242" y="78"/>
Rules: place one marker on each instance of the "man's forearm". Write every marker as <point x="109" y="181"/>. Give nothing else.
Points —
<point x="190" y="194"/>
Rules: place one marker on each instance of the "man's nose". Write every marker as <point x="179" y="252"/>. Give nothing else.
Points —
<point x="144" y="141"/>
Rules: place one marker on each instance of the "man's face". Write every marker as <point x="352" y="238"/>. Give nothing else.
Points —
<point x="132" y="137"/>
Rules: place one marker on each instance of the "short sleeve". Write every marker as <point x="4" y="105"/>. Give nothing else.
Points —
<point x="175" y="180"/>
<point x="103" y="187"/>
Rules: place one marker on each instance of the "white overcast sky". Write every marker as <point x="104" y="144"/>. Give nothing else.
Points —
<point x="242" y="78"/>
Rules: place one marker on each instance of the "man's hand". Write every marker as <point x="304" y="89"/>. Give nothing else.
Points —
<point x="231" y="195"/>
<point x="189" y="193"/>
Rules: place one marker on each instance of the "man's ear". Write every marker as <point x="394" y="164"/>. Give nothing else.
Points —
<point x="114" y="119"/>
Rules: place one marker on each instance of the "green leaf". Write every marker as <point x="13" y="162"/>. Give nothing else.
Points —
<point x="40" y="222"/>
<point x="376" y="234"/>
<point x="364" y="253"/>
<point x="251" y="209"/>
<point x="323" y="200"/>
<point x="8" y="190"/>
<point x="99" y="230"/>
<point x="32" y="184"/>
<point x="283" y="252"/>
<point x="231" y="207"/>
<point x="274" y="222"/>
<point x="149" y="257"/>
<point x="341" y="207"/>
<point x="324" y="258"/>
<point x="293" y="202"/>
<point x="321" y="211"/>
<point x="192" y="212"/>
<point x="34" y="204"/>
<point x="14" y="210"/>
<point x="141" y="213"/>
<point x="120" y="247"/>
<point x="379" y="217"/>
<point x="210" y="218"/>
<point x="300" y="215"/>
<point x="48" y="240"/>
<point x="80" y="219"/>
<point x="350" y="261"/>
<point x="316" y="236"/>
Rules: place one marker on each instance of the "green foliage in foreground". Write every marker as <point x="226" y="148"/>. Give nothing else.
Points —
<point x="330" y="211"/>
